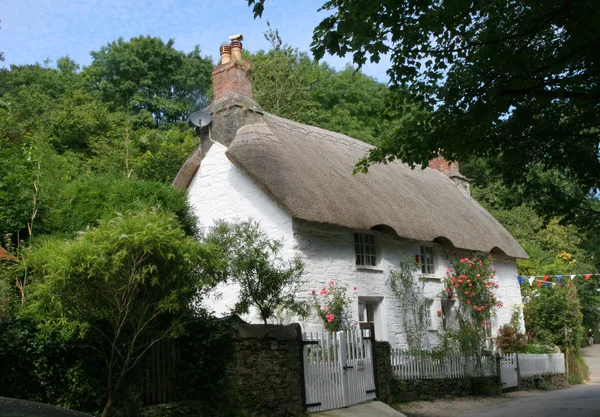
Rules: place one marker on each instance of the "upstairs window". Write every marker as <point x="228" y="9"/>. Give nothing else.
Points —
<point x="426" y="260"/>
<point x="365" y="249"/>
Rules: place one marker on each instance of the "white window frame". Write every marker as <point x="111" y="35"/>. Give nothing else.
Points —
<point x="427" y="260"/>
<point x="365" y="250"/>
<point x="429" y="314"/>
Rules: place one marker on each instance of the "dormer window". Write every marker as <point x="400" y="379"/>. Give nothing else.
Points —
<point x="426" y="260"/>
<point x="365" y="249"/>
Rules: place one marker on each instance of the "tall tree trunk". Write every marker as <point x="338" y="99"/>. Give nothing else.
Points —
<point x="108" y="405"/>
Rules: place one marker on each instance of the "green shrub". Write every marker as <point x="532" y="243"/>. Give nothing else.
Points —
<point x="81" y="204"/>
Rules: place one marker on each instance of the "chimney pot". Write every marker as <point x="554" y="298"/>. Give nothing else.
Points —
<point x="225" y="52"/>
<point x="236" y="50"/>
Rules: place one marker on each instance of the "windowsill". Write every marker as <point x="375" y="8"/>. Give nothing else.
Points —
<point x="369" y="269"/>
<point x="431" y="277"/>
<point x="432" y="330"/>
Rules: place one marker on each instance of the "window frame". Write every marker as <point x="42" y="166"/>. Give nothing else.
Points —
<point x="429" y="313"/>
<point x="360" y="251"/>
<point x="425" y="256"/>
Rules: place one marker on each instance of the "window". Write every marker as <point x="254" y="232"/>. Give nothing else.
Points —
<point x="447" y="306"/>
<point x="426" y="261"/>
<point x="427" y="313"/>
<point x="365" y="249"/>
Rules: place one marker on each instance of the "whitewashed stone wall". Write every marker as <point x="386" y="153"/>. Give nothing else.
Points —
<point x="222" y="191"/>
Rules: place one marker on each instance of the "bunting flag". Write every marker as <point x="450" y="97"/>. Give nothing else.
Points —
<point x="545" y="278"/>
<point x="548" y="283"/>
<point x="572" y="276"/>
<point x="531" y="279"/>
<point x="587" y="276"/>
<point x="539" y="284"/>
<point x="558" y="278"/>
<point x="520" y="279"/>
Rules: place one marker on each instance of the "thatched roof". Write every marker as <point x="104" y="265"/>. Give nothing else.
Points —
<point x="308" y="172"/>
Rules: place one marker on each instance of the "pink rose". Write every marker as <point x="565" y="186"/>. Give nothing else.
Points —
<point x="355" y="288"/>
<point x="330" y="317"/>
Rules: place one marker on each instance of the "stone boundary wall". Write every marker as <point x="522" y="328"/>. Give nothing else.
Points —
<point x="429" y="389"/>
<point x="267" y="370"/>
<point x="544" y="382"/>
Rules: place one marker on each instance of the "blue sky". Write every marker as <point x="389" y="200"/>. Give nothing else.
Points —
<point x="34" y="30"/>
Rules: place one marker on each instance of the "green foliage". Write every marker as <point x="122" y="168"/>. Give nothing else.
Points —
<point x="150" y="77"/>
<point x="411" y="300"/>
<point x="266" y="281"/>
<point x="83" y="203"/>
<point x="493" y="79"/>
<point x="159" y="154"/>
<point x="128" y="281"/>
<point x="288" y="83"/>
<point x="332" y="306"/>
<point x="42" y="367"/>
<point x="550" y="312"/>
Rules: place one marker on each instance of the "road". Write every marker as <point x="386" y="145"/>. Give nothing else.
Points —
<point x="579" y="401"/>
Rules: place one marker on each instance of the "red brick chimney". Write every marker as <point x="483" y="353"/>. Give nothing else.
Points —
<point x="233" y="75"/>
<point x="440" y="164"/>
<point x="451" y="170"/>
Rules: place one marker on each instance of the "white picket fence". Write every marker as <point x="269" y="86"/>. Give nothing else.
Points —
<point x="541" y="364"/>
<point x="408" y="364"/>
<point x="338" y="369"/>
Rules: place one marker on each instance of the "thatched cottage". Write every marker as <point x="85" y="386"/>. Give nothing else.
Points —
<point x="297" y="181"/>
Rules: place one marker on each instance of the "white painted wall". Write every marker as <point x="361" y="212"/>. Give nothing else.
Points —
<point x="222" y="191"/>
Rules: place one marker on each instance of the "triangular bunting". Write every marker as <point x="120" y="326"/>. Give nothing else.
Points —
<point x="531" y="279"/>
<point x="572" y="276"/>
<point x="545" y="278"/>
<point x="587" y="276"/>
<point x="559" y="278"/>
<point x="539" y="284"/>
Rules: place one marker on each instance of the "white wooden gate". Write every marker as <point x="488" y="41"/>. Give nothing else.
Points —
<point x="509" y="376"/>
<point x="338" y="369"/>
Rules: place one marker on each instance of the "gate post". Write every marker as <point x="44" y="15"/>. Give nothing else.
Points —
<point x="301" y="348"/>
<point x="341" y="336"/>
<point x="518" y="372"/>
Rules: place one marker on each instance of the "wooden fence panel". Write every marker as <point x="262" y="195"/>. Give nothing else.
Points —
<point x="410" y="364"/>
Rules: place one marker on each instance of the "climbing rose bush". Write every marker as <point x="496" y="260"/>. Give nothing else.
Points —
<point x="332" y="305"/>
<point x="472" y="281"/>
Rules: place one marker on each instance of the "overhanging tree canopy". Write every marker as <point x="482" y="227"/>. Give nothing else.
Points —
<point x="514" y="78"/>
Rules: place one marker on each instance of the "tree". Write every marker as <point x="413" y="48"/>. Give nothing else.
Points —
<point x="150" y="77"/>
<point x="518" y="80"/>
<point x="129" y="280"/>
<point x="266" y="281"/>
<point x="290" y="84"/>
